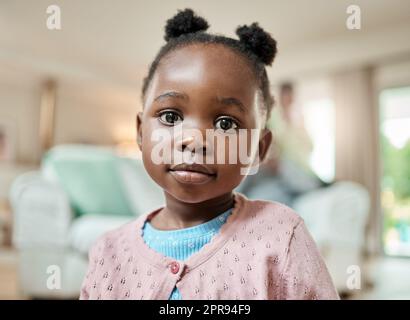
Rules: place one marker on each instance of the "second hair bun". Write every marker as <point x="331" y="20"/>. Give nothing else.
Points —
<point x="258" y="41"/>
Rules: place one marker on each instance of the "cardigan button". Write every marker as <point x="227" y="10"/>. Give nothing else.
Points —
<point x="174" y="267"/>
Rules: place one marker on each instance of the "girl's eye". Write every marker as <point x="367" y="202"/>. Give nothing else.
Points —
<point x="169" y="118"/>
<point x="225" y="124"/>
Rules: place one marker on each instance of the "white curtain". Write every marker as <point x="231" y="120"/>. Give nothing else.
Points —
<point x="357" y="141"/>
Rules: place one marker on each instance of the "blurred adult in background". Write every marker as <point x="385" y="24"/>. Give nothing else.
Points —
<point x="286" y="173"/>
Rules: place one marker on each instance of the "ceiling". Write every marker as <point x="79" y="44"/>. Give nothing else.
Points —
<point x="113" y="41"/>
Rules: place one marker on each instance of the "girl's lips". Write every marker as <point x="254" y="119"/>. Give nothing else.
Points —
<point x="191" y="177"/>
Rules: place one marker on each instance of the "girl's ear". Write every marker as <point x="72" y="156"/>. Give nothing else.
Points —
<point x="264" y="143"/>
<point x="139" y="129"/>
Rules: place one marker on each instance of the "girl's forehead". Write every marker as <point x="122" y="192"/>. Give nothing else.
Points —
<point x="211" y="57"/>
<point x="205" y="67"/>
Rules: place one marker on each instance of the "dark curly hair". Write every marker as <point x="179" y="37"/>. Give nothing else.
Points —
<point x="255" y="44"/>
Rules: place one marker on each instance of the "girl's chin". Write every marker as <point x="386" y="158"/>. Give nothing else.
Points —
<point x="190" y="195"/>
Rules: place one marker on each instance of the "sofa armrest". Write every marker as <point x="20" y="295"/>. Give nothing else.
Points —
<point x="336" y="217"/>
<point x="336" y="214"/>
<point x="42" y="213"/>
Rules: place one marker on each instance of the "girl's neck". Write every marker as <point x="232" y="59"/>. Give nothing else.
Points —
<point x="177" y="214"/>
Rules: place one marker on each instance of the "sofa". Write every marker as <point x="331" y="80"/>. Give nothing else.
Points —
<point x="81" y="192"/>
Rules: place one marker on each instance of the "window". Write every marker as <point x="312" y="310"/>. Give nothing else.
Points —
<point x="395" y="155"/>
<point x="320" y="124"/>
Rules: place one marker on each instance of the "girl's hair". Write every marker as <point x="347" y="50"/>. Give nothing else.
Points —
<point x="254" y="44"/>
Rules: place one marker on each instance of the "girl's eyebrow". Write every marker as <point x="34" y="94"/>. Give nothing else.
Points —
<point x="172" y="94"/>
<point x="227" y="101"/>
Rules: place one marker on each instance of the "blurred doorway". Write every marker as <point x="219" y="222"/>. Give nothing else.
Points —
<point x="395" y="155"/>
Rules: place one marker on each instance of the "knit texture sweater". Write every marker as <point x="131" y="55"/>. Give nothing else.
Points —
<point x="263" y="251"/>
<point x="182" y="243"/>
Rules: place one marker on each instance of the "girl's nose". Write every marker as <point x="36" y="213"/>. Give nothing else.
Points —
<point x="192" y="141"/>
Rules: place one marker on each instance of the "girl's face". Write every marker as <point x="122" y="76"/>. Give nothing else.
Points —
<point x="198" y="88"/>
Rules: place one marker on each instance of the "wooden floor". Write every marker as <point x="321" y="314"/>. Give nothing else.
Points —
<point x="8" y="275"/>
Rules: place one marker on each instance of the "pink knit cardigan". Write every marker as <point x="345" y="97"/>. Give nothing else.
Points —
<point x="263" y="251"/>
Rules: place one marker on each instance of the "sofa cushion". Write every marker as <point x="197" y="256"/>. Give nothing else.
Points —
<point x="90" y="177"/>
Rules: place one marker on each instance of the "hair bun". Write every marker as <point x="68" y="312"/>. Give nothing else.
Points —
<point x="258" y="41"/>
<point x="185" y="21"/>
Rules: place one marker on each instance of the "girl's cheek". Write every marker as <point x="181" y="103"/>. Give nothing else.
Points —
<point x="235" y="148"/>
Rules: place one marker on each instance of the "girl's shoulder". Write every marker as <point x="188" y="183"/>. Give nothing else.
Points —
<point x="270" y="221"/>
<point x="267" y="211"/>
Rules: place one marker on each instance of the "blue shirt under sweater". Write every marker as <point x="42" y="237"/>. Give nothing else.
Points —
<point x="180" y="244"/>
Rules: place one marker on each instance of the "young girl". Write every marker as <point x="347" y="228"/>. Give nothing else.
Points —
<point x="208" y="241"/>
